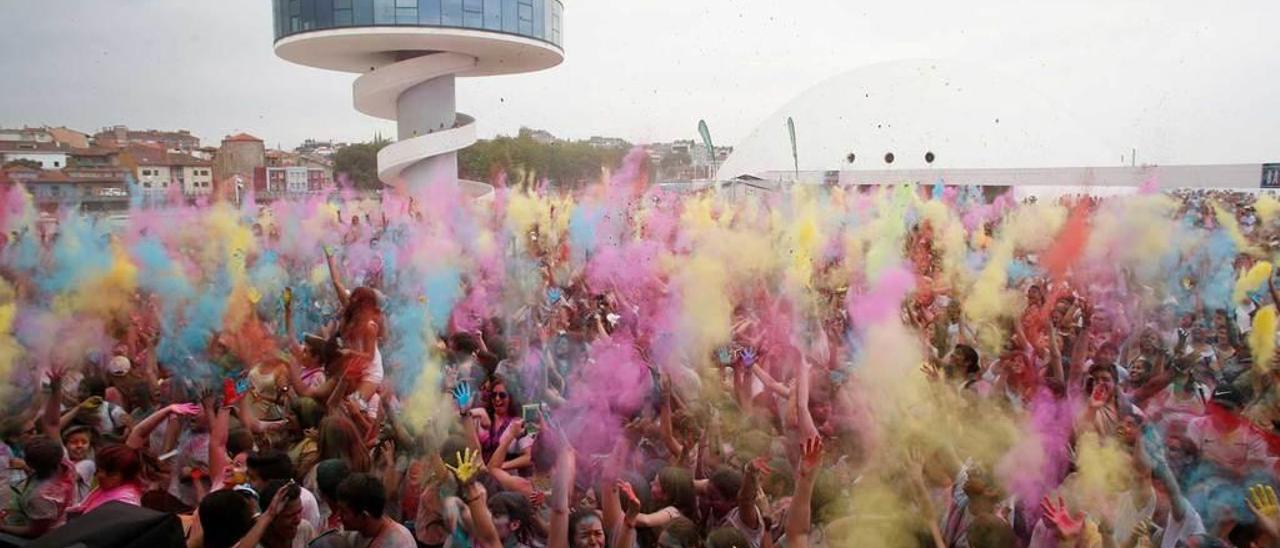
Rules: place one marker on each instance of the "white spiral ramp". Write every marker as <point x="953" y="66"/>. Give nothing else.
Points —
<point x="407" y="74"/>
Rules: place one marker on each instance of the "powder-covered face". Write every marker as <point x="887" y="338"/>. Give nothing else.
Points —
<point x="589" y="533"/>
<point x="78" y="446"/>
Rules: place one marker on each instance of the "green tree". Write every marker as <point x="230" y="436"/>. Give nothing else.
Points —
<point x="23" y="162"/>
<point x="565" y="164"/>
<point x="360" y="163"/>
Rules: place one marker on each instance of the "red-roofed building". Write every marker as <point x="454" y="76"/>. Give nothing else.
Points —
<point x="121" y="137"/>
<point x="89" y="189"/>
<point x="94" y="157"/>
<point x="290" y="173"/>
<point x="158" y="170"/>
<point x="48" y="155"/>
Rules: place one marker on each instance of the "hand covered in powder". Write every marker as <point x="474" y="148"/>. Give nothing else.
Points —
<point x="1059" y="517"/>
<point x="186" y="409"/>
<point x="464" y="396"/>
<point x="1262" y="501"/>
<point x="811" y="455"/>
<point x="468" y="467"/>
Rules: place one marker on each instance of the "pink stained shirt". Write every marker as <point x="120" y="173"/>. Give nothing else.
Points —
<point x="128" y="493"/>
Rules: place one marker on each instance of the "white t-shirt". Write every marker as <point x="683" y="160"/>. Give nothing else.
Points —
<point x="1236" y="449"/>
<point x="106" y="419"/>
<point x="310" y="510"/>
<point x="1176" y="533"/>
<point x="85" y="471"/>
<point x="754" y="536"/>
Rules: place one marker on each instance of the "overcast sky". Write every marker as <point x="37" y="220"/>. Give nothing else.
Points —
<point x="1197" y="76"/>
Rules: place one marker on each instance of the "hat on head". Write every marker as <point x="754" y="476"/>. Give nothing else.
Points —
<point x="1227" y="396"/>
<point x="119" y="366"/>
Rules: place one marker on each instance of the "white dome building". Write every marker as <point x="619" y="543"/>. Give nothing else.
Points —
<point x="892" y="116"/>
<point x="926" y="121"/>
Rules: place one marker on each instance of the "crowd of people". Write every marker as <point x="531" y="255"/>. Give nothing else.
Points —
<point x="887" y="366"/>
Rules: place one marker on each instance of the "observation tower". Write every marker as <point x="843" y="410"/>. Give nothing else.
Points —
<point x="409" y="54"/>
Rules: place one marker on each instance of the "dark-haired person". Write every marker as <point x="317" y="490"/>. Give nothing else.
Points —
<point x="495" y="421"/>
<point x="965" y="366"/>
<point x="727" y="537"/>
<point x="225" y="517"/>
<point x="78" y="439"/>
<point x="40" y="502"/>
<point x="361" y="325"/>
<point x="268" y="466"/>
<point x="513" y="518"/>
<point x="286" y="529"/>
<point x="673" y="489"/>
<point x="118" y="477"/>
<point x="329" y="474"/>
<point x="361" y="501"/>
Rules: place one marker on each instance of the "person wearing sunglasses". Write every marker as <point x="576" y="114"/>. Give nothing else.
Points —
<point x="500" y="409"/>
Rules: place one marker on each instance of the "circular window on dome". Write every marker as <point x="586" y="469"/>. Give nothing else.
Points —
<point x="888" y="158"/>
<point x="851" y="157"/>
<point x="928" y="157"/>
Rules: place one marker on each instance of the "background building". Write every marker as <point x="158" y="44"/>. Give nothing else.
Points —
<point x="289" y="173"/>
<point x="240" y="155"/>
<point x="121" y="136"/>
<point x="955" y="123"/>
<point x="408" y="54"/>
<point x="47" y="154"/>
<point x="158" y="171"/>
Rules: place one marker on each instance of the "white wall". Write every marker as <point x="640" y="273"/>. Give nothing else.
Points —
<point x="154" y="178"/>
<point x="47" y="160"/>
<point x="1240" y="176"/>
<point x="197" y="179"/>
<point x="295" y="179"/>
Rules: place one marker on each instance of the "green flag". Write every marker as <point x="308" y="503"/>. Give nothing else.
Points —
<point x="705" y="132"/>
<point x="706" y="135"/>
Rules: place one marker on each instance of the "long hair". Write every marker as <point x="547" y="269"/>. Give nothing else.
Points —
<point x="308" y="411"/>
<point x="678" y="490"/>
<point x="363" y="304"/>
<point x="513" y="403"/>
<point x="340" y="439"/>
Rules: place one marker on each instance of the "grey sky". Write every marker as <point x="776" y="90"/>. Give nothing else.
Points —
<point x="1193" y="79"/>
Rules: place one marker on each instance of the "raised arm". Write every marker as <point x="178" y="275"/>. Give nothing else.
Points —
<point x="277" y="505"/>
<point x="250" y="418"/>
<point x="219" y="431"/>
<point x="142" y="431"/>
<point x="1080" y="346"/>
<point x="747" y="510"/>
<point x="300" y="388"/>
<point x="799" y="517"/>
<point x="668" y="427"/>
<point x="51" y="420"/>
<point x="468" y="469"/>
<point x="497" y="462"/>
<point x="629" y="506"/>
<point x="1160" y="472"/>
<point x="1055" y="355"/>
<point x="770" y="383"/>
<point x="561" y="489"/>
<point x="338" y="288"/>
<point x="807" y="427"/>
